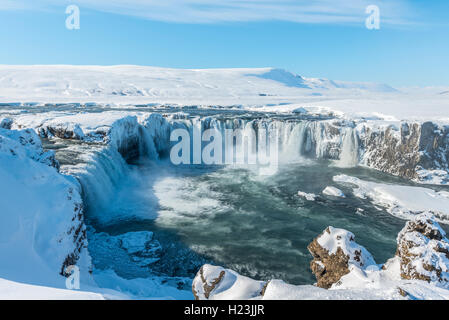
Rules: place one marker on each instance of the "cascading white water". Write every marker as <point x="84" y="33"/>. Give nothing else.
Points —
<point x="296" y="140"/>
<point x="349" y="156"/>
<point x="102" y="176"/>
<point x="292" y="138"/>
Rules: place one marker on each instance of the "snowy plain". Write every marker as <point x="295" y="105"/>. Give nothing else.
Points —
<point x="263" y="89"/>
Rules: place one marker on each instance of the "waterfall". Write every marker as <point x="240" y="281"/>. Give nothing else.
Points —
<point x="155" y="135"/>
<point x="349" y="156"/>
<point x="297" y="140"/>
<point x="150" y="138"/>
<point x="101" y="176"/>
<point x="293" y="135"/>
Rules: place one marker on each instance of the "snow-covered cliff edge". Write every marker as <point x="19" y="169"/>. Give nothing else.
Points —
<point x="42" y="217"/>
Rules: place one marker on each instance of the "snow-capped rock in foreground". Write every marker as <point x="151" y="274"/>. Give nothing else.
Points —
<point x="217" y="283"/>
<point x="423" y="250"/>
<point x="334" y="251"/>
<point x="418" y="271"/>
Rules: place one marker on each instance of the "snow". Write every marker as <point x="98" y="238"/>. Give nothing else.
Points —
<point x="40" y="209"/>
<point x="333" y="191"/>
<point x="401" y="201"/>
<point x="424" y="246"/>
<point x="10" y="290"/>
<point x="437" y="177"/>
<point x="30" y="189"/>
<point x="307" y="196"/>
<point x="150" y="288"/>
<point x="88" y="126"/>
<point x="279" y="290"/>
<point x="262" y="88"/>
<point x="369" y="284"/>
<point x="232" y="286"/>
<point x="334" y="238"/>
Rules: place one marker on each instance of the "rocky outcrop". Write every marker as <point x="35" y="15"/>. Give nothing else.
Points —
<point x="333" y="252"/>
<point x="213" y="282"/>
<point x="423" y="250"/>
<point x="77" y="235"/>
<point x="206" y="281"/>
<point x="392" y="151"/>
<point x="410" y="151"/>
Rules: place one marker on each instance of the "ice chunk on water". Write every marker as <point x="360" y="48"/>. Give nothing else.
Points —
<point x="332" y="191"/>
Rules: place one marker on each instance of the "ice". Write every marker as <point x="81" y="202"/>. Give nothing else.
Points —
<point x="307" y="196"/>
<point x="278" y="89"/>
<point x="334" y="192"/>
<point x="401" y="201"/>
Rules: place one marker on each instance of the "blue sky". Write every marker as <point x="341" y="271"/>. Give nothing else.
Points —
<point x="312" y="38"/>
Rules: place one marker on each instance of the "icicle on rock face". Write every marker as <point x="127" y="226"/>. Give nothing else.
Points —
<point x="333" y="252"/>
<point x="423" y="250"/>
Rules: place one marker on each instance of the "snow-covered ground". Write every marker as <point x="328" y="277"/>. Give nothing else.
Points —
<point x="262" y="89"/>
<point x="401" y="201"/>
<point x="22" y="291"/>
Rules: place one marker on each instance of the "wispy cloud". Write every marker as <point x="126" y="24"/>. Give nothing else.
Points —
<point x="12" y="5"/>
<point x="213" y="11"/>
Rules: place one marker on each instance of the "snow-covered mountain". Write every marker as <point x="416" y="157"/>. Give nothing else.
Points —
<point x="277" y="89"/>
<point x="100" y="82"/>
